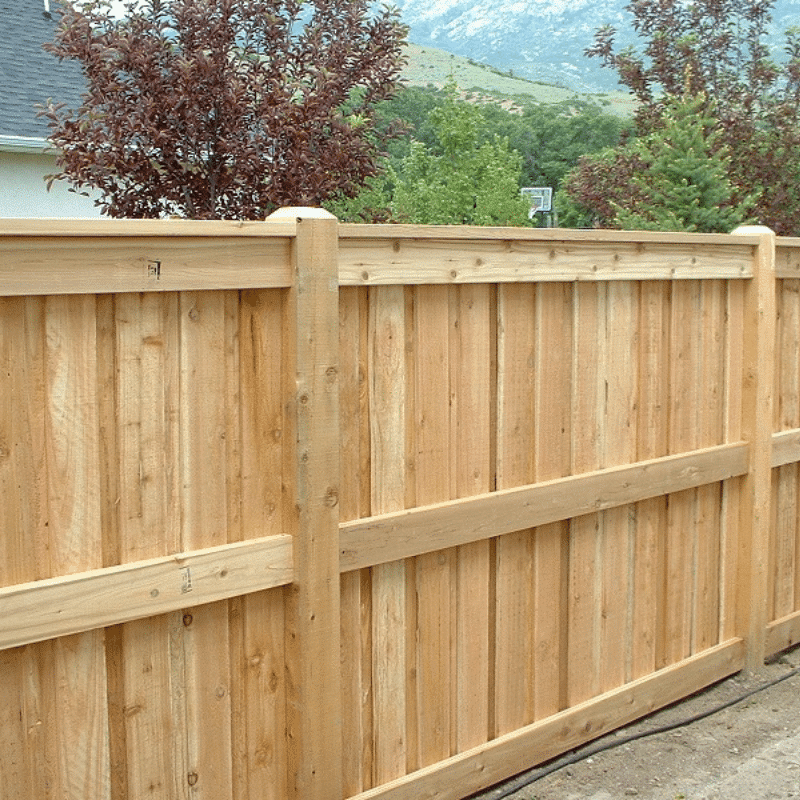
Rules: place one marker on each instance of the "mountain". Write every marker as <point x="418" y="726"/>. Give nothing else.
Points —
<point x="429" y="66"/>
<point x="543" y="40"/>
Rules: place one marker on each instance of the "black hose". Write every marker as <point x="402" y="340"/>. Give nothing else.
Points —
<point x="531" y="776"/>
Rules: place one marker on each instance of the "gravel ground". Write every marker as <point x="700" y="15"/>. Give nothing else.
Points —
<point x="747" y="751"/>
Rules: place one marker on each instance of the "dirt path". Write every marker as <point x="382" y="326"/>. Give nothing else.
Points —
<point x="748" y="751"/>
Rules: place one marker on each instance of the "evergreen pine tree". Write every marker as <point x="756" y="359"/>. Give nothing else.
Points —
<point x="685" y="185"/>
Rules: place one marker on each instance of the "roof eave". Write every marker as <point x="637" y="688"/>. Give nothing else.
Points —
<point x="25" y="144"/>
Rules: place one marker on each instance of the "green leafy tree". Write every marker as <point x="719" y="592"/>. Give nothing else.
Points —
<point x="373" y="204"/>
<point x="683" y="184"/>
<point x="715" y="49"/>
<point x="460" y="179"/>
<point x="552" y="138"/>
<point x="224" y="108"/>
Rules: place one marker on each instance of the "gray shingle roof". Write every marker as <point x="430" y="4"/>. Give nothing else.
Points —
<point x="28" y="74"/>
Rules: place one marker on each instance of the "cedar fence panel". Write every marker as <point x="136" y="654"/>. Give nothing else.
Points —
<point x="783" y="597"/>
<point x="271" y="531"/>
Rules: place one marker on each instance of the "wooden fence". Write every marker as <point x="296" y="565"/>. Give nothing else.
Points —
<point x="299" y="510"/>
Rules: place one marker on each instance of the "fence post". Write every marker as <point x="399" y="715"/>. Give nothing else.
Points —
<point x="757" y="391"/>
<point x="314" y="713"/>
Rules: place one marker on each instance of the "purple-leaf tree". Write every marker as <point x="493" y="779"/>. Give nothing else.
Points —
<point x="224" y="109"/>
<point x="715" y="49"/>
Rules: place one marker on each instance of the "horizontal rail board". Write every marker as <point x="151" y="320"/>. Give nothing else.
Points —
<point x="782" y="633"/>
<point x="122" y="228"/>
<point x="145" y="264"/>
<point x="477" y="232"/>
<point x="41" y="610"/>
<point x="402" y="534"/>
<point x="785" y="447"/>
<point x="508" y="755"/>
<point x="69" y="604"/>
<point x="395" y="260"/>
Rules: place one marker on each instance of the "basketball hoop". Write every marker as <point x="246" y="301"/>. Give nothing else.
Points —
<point x="540" y="198"/>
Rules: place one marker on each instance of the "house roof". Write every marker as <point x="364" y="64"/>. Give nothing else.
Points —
<point x="29" y="75"/>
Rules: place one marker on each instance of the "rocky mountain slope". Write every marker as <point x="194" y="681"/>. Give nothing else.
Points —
<point x="541" y="40"/>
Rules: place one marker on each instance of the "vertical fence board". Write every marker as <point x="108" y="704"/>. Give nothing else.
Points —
<point x="24" y="514"/>
<point x="357" y="728"/>
<point x="787" y="575"/>
<point x="76" y="681"/>
<point x="513" y="557"/>
<point x="586" y="532"/>
<point x="686" y="338"/>
<point x="710" y="418"/>
<point x="144" y="333"/>
<point x="432" y="479"/>
<point x="619" y="447"/>
<point x="388" y="390"/>
<point x="757" y="400"/>
<point x="551" y="448"/>
<point x="14" y="759"/>
<point x="261" y="699"/>
<point x="471" y="361"/>
<point x="147" y="409"/>
<point x="21" y="732"/>
<point x="110" y="494"/>
<point x="257" y="620"/>
<point x="205" y="400"/>
<point x="649" y="585"/>
<point x="732" y="424"/>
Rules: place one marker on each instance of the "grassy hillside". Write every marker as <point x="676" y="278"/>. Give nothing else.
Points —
<point x="429" y="66"/>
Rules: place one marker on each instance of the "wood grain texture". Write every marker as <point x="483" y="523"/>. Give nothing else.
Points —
<point x="784" y="555"/>
<point x="552" y="453"/>
<point x="620" y="419"/>
<point x="757" y="399"/>
<point x="205" y="397"/>
<point x="515" y="258"/>
<point x="787" y="258"/>
<point x="511" y="754"/>
<point x="142" y="264"/>
<point x="782" y="633"/>
<point x="389" y="537"/>
<point x="387" y="407"/>
<point x="686" y="338"/>
<point x="649" y="583"/>
<point x="74" y="677"/>
<point x="356" y="605"/>
<point x="731" y="521"/>
<point x="314" y="719"/>
<point x="432" y="571"/>
<point x="587" y="402"/>
<point x="513" y="566"/>
<point x="59" y="606"/>
<point x="471" y="359"/>
<point x="261" y="538"/>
